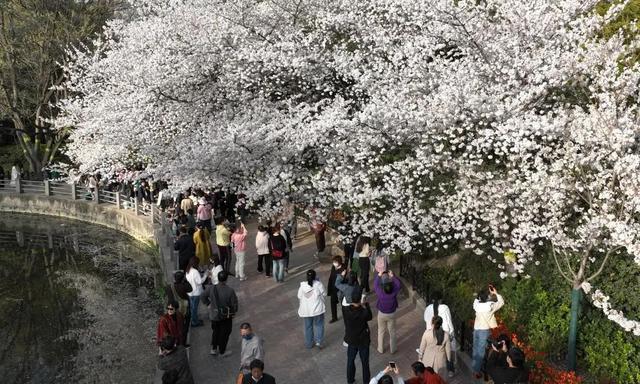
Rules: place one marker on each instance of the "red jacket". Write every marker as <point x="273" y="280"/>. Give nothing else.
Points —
<point x="168" y="326"/>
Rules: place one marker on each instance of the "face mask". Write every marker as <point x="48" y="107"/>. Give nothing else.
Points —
<point x="336" y="265"/>
<point x="248" y="337"/>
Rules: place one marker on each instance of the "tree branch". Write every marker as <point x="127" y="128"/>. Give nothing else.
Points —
<point x="555" y="257"/>
<point x="606" y="257"/>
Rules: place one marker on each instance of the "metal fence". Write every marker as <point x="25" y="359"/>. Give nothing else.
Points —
<point x="79" y="192"/>
<point x="412" y="269"/>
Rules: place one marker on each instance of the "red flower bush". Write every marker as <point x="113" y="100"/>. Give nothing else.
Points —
<point x="540" y="371"/>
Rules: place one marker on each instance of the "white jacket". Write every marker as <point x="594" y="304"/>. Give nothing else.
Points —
<point x="311" y="299"/>
<point x="444" y="312"/>
<point x="485" y="313"/>
<point x="262" y="243"/>
<point x="195" y="279"/>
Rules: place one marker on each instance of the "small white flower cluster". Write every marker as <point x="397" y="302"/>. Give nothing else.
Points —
<point x="600" y="300"/>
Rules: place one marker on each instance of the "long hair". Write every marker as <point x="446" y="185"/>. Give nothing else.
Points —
<point x="193" y="263"/>
<point x="438" y="332"/>
<point x="202" y="234"/>
<point x="436" y="297"/>
<point x="362" y="240"/>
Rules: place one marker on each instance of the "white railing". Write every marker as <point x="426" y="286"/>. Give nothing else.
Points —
<point x="79" y="192"/>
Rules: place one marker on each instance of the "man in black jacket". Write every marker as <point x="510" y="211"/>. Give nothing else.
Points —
<point x="173" y="360"/>
<point x="257" y="375"/>
<point x="514" y="373"/>
<point x="332" y="291"/>
<point x="185" y="247"/>
<point x="357" y="336"/>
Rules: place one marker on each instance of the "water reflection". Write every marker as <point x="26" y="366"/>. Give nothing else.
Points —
<point x="78" y="303"/>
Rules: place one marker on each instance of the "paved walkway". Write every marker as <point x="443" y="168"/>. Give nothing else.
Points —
<point x="271" y="308"/>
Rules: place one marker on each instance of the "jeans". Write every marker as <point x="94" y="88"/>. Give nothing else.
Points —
<point x="220" y="331"/>
<point x="240" y="264"/>
<point x="480" y="337"/>
<point x="363" y="351"/>
<point x="387" y="320"/>
<point x="313" y="330"/>
<point x="278" y="269"/>
<point x="193" y="306"/>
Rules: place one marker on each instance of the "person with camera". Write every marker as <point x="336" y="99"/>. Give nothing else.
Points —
<point x="485" y="305"/>
<point x="514" y="372"/>
<point x="384" y="376"/>
<point x="387" y="286"/>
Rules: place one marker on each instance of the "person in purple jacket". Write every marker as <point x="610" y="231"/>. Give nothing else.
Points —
<point x="387" y="287"/>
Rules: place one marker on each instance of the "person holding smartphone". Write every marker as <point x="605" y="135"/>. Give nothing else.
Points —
<point x="384" y="376"/>
<point x="485" y="305"/>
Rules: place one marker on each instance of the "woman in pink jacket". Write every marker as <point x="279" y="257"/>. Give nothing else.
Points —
<point x="239" y="248"/>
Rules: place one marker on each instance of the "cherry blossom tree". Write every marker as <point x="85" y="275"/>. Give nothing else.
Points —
<point x="508" y="127"/>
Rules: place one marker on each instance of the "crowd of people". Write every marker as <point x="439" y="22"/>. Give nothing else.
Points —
<point x="204" y="267"/>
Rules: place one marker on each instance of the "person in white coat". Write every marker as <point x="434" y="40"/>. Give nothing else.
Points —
<point x="311" y="295"/>
<point x="15" y="174"/>
<point x="195" y="280"/>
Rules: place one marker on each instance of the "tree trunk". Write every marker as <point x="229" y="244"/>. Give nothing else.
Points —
<point x="576" y="295"/>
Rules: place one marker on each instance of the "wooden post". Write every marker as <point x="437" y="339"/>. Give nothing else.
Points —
<point x="96" y="196"/>
<point x="18" y="185"/>
<point x="73" y="191"/>
<point x="118" y="200"/>
<point x="135" y="206"/>
<point x="47" y="188"/>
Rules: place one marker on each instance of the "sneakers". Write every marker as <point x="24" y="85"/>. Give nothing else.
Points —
<point x="333" y="321"/>
<point x="319" y="345"/>
<point x="226" y="353"/>
<point x="451" y="374"/>
<point x="344" y="344"/>
<point x="213" y="352"/>
<point x="242" y="279"/>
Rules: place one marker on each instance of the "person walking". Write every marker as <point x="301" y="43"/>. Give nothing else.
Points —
<point x="173" y="360"/>
<point x="186" y="203"/>
<point x="170" y="324"/>
<point x="357" y="336"/>
<point x="257" y="375"/>
<point x="185" y="247"/>
<point x="364" y="262"/>
<point x="332" y="291"/>
<point x="252" y="348"/>
<point x="203" y="214"/>
<point x="387" y="287"/>
<point x="318" y="228"/>
<point x="202" y="242"/>
<point x="179" y="292"/>
<point x="436" y="308"/>
<point x="435" y="348"/>
<point x="278" y="245"/>
<point x="195" y="280"/>
<point x="223" y="240"/>
<point x="222" y="303"/>
<point x="312" y="308"/>
<point x="485" y="308"/>
<point x="239" y="249"/>
<point x="262" y="247"/>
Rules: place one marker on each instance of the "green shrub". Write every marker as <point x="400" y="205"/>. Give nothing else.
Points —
<point x="607" y="350"/>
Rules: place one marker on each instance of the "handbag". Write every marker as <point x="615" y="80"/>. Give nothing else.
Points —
<point x="276" y="253"/>
<point x="224" y="312"/>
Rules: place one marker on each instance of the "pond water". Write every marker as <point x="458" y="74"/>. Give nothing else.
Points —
<point x="78" y="303"/>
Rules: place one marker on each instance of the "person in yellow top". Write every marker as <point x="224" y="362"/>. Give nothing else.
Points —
<point x="223" y="239"/>
<point x="202" y="240"/>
